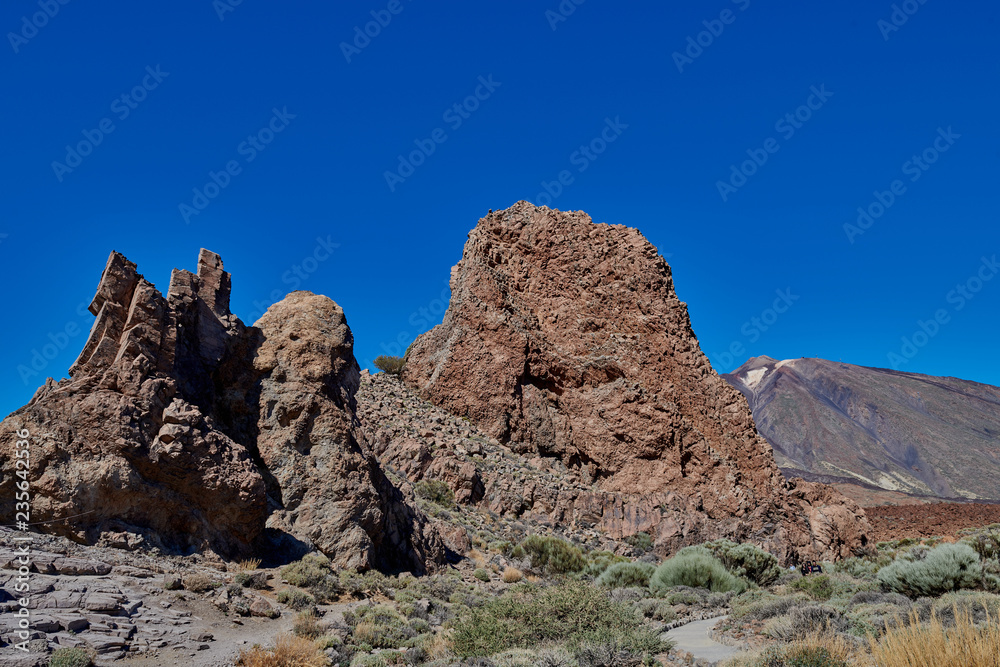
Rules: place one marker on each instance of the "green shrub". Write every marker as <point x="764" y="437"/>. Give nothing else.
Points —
<point x="985" y="541"/>
<point x="695" y="567"/>
<point x="255" y="580"/>
<point x="297" y="600"/>
<point x="378" y="626"/>
<point x="553" y="555"/>
<point x="390" y="365"/>
<point x="861" y="568"/>
<point x="624" y="575"/>
<point x="70" y="657"/>
<point x="436" y="491"/>
<point x="760" y="606"/>
<point x="797" y="656"/>
<point x="947" y="567"/>
<point x="599" y="561"/>
<point x="659" y="610"/>
<point x="746" y="561"/>
<point x="641" y="542"/>
<point x="315" y="574"/>
<point x="526" y="616"/>
<point x="481" y="575"/>
<point x="816" y="586"/>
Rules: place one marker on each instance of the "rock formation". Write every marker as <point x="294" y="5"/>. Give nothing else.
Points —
<point x="183" y="429"/>
<point x="565" y="339"/>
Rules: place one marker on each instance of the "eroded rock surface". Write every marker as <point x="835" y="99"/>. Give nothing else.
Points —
<point x="565" y="339"/>
<point x="183" y="429"/>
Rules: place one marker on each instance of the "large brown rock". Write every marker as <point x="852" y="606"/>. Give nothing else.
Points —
<point x="332" y="494"/>
<point x="565" y="339"/>
<point x="183" y="429"/>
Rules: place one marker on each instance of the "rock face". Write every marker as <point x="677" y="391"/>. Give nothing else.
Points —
<point x="876" y="427"/>
<point x="565" y="339"/>
<point x="183" y="429"/>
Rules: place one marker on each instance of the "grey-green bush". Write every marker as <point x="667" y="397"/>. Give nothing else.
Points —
<point x="70" y="657"/>
<point x="390" y="365"/>
<point x="695" y="567"/>
<point x="623" y="575"/>
<point x="947" y="567"/>
<point x="553" y="555"/>
<point x="746" y="561"/>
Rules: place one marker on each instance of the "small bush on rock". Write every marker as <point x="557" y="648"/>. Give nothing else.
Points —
<point x="623" y="575"/>
<point x="695" y="567"/>
<point x="436" y="491"/>
<point x="390" y="365"/>
<point x="71" y="657"/>
<point x="297" y="600"/>
<point x="199" y="583"/>
<point x="947" y="567"/>
<point x="255" y="580"/>
<point x="553" y="555"/>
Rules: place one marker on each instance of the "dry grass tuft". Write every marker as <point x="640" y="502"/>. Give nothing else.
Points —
<point x="477" y="557"/>
<point x="933" y="645"/>
<point x="512" y="575"/>
<point x="247" y="565"/>
<point x="289" y="651"/>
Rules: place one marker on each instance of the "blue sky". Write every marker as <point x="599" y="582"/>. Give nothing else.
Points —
<point x="300" y="119"/>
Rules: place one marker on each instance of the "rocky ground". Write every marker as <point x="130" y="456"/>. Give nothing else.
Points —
<point x="937" y="519"/>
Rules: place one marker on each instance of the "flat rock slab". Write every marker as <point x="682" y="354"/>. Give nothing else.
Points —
<point x="696" y="639"/>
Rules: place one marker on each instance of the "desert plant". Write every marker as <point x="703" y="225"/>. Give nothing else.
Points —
<point x="315" y="574"/>
<point x="481" y="575"/>
<point x="915" y="644"/>
<point x="947" y="567"/>
<point x="255" y="580"/>
<point x="746" y="561"/>
<point x="659" y="610"/>
<point x="760" y="606"/>
<point x="306" y="625"/>
<point x="641" y="542"/>
<point x="814" y="651"/>
<point x="985" y="541"/>
<point x="390" y="365"/>
<point x="695" y="567"/>
<point x="71" y="657"/>
<point x="511" y="575"/>
<point x="297" y="600"/>
<point x="247" y="565"/>
<point x="289" y="651"/>
<point x="199" y="583"/>
<point x="599" y="561"/>
<point x="379" y="626"/>
<point x="436" y="491"/>
<point x="553" y="555"/>
<point x="527" y="616"/>
<point x="624" y="575"/>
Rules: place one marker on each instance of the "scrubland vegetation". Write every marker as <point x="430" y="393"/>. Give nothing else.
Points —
<point x="551" y="603"/>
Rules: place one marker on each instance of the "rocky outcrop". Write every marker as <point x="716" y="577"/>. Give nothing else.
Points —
<point x="182" y="428"/>
<point x="565" y="339"/>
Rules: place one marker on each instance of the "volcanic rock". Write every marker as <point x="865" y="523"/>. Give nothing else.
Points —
<point x="565" y="339"/>
<point x="182" y="428"/>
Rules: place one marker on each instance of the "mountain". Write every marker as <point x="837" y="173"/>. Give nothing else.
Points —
<point x="872" y="426"/>
<point x="565" y="341"/>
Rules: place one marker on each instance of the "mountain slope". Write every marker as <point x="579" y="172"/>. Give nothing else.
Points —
<point x="899" y="431"/>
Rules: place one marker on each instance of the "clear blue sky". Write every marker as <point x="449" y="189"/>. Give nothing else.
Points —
<point x="679" y="125"/>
